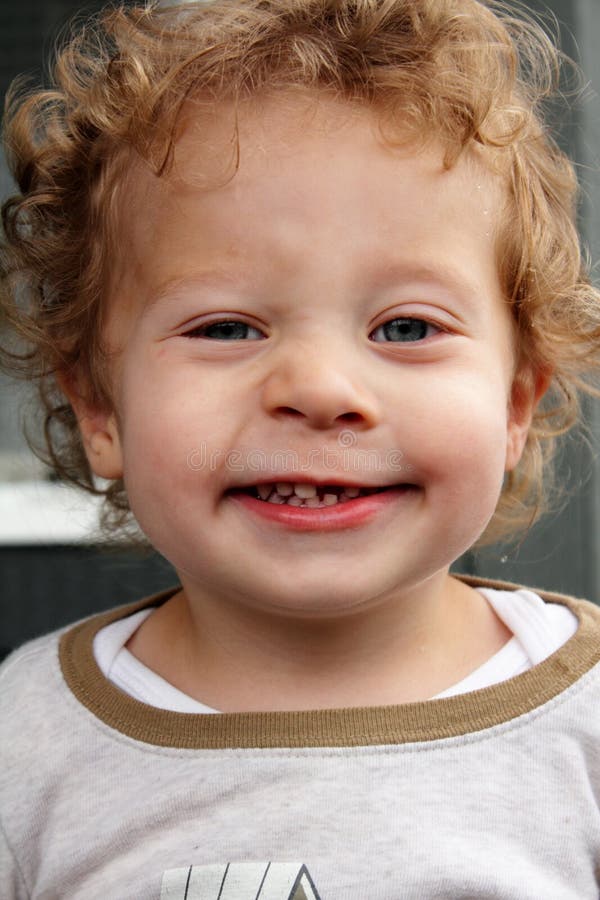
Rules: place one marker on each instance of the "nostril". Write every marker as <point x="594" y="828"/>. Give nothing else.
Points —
<point x="351" y="418"/>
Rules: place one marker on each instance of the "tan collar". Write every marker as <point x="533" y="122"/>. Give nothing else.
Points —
<point x="364" y="726"/>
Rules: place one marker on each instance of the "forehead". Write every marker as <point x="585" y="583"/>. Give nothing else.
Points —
<point x="264" y="136"/>
<point x="252" y="183"/>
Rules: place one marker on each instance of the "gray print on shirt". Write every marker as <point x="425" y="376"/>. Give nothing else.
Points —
<point x="240" y="881"/>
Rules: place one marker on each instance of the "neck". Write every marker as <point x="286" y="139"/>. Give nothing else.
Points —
<point x="403" y="649"/>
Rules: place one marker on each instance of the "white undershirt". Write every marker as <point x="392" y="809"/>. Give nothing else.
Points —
<point x="538" y="630"/>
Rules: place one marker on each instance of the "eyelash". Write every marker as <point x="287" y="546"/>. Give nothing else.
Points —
<point x="197" y="331"/>
<point x="408" y="322"/>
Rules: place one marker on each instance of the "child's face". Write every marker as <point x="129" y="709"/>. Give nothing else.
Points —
<point x="322" y="239"/>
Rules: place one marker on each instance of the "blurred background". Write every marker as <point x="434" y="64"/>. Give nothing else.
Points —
<point x="53" y="568"/>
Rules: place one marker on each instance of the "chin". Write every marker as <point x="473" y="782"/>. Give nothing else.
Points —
<point x="320" y="604"/>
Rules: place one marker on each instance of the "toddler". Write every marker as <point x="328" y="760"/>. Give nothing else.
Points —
<point x="301" y="287"/>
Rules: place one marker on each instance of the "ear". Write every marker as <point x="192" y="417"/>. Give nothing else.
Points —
<point x="99" y="432"/>
<point x="528" y="388"/>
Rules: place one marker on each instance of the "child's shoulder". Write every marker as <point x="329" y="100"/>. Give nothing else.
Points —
<point x="36" y="665"/>
<point x="32" y="710"/>
<point x="27" y="668"/>
<point x="34" y="686"/>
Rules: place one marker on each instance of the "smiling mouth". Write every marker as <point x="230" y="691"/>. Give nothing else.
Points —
<point x="311" y="496"/>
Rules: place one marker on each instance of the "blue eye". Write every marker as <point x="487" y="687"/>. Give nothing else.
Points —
<point x="225" y="331"/>
<point x="403" y="330"/>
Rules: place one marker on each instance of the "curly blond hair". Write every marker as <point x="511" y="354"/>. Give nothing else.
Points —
<point x="463" y="71"/>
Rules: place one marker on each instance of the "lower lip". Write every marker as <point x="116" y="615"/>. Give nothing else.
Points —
<point x="350" y="514"/>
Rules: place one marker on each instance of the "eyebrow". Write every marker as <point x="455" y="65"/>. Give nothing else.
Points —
<point x="445" y="276"/>
<point x="208" y="278"/>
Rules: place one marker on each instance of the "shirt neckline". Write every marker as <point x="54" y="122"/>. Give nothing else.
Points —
<point x="430" y="720"/>
<point x="129" y="674"/>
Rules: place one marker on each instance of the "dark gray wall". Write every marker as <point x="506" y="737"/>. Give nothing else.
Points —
<point x="28" y="29"/>
<point x="46" y="587"/>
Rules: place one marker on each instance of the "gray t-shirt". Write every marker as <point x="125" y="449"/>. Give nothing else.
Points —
<point x="488" y="794"/>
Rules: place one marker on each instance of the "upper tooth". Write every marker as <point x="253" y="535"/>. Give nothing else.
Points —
<point x="284" y="488"/>
<point x="305" y="490"/>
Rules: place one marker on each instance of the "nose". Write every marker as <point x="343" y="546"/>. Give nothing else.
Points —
<point x="322" y="388"/>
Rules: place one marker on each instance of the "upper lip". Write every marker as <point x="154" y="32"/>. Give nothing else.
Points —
<point x="319" y="481"/>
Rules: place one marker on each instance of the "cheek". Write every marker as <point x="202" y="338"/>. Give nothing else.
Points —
<point x="176" y="431"/>
<point x="458" y="441"/>
<point x="463" y="473"/>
